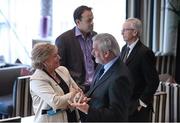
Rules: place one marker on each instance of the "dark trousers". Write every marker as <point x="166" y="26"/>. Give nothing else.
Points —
<point x="144" y="115"/>
<point x="71" y="116"/>
<point x="83" y="117"/>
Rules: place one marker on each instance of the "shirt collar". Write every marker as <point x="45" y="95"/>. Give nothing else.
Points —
<point x="131" y="46"/>
<point x="109" y="64"/>
<point x="78" y="32"/>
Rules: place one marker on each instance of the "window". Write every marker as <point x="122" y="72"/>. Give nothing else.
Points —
<point x="109" y="16"/>
<point x="20" y="23"/>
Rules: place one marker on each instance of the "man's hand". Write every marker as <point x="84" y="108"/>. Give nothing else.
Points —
<point x="84" y="107"/>
<point x="80" y="102"/>
<point x="80" y="98"/>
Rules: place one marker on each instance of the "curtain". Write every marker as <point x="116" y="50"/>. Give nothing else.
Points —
<point x="159" y="23"/>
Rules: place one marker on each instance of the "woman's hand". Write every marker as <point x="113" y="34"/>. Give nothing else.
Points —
<point x="73" y="92"/>
<point x="84" y="107"/>
<point x="80" y="98"/>
<point x="80" y="102"/>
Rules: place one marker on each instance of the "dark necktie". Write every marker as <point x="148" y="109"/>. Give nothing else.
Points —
<point x="99" y="75"/>
<point x="126" y="54"/>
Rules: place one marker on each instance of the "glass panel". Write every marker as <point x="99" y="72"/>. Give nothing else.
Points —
<point x="109" y="16"/>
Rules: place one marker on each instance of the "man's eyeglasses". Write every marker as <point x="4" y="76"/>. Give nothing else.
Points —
<point x="127" y="29"/>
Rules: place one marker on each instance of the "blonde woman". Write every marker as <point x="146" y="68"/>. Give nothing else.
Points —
<point x="51" y="86"/>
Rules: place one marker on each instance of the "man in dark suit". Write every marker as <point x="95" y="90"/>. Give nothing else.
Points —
<point x="75" y="47"/>
<point x="111" y="89"/>
<point x="141" y="62"/>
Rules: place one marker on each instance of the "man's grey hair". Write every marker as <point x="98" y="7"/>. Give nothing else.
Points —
<point x="107" y="42"/>
<point x="136" y="24"/>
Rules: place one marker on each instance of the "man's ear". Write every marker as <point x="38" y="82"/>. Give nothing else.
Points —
<point x="135" y="33"/>
<point x="77" y="21"/>
<point x="106" y="54"/>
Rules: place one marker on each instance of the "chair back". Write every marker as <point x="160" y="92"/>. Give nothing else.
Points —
<point x="22" y="98"/>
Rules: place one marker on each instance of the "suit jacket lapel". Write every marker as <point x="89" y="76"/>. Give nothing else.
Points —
<point x="77" y="45"/>
<point x="123" y="52"/>
<point x="95" y="75"/>
<point x="133" y="52"/>
<point x="103" y="78"/>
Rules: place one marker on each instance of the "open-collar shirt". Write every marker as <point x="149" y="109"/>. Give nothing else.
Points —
<point x="86" y="47"/>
